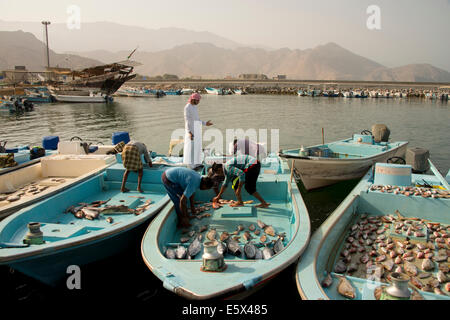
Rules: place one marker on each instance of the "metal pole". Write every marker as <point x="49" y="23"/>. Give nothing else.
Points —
<point x="46" y="23"/>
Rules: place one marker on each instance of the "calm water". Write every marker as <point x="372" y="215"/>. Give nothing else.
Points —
<point x="299" y="119"/>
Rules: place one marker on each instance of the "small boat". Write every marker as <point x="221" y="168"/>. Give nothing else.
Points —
<point x="239" y="91"/>
<point x="92" y="98"/>
<point x="374" y="94"/>
<point x="187" y="91"/>
<point x="359" y="94"/>
<point x="331" y="94"/>
<point x="242" y="274"/>
<point x="314" y="93"/>
<point x="347" y="94"/>
<point x="50" y="175"/>
<point x="87" y="222"/>
<point x="301" y="93"/>
<point x="22" y="158"/>
<point x="392" y="228"/>
<point x="37" y="96"/>
<point x="172" y="92"/>
<point x="215" y="91"/>
<point x="326" y="164"/>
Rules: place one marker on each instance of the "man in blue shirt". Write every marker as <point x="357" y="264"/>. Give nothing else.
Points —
<point x="181" y="184"/>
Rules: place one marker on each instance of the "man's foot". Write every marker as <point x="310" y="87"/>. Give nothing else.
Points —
<point x="263" y="205"/>
<point x="124" y="190"/>
<point x="236" y="204"/>
<point x="140" y="190"/>
<point x="184" y="223"/>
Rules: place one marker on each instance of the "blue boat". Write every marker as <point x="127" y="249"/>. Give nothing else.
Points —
<point x="242" y="275"/>
<point x="392" y="228"/>
<point x="326" y="164"/>
<point x="173" y="92"/>
<point x="70" y="240"/>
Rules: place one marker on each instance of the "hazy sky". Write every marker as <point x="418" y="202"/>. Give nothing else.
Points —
<point x="412" y="31"/>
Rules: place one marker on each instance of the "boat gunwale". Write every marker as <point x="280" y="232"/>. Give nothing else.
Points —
<point x="272" y="272"/>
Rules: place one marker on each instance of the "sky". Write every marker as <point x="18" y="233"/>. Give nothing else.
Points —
<point x="410" y="31"/>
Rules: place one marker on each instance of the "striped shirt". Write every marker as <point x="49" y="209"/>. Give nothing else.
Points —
<point x="236" y="168"/>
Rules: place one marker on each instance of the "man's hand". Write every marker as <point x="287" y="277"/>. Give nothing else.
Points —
<point x="209" y="123"/>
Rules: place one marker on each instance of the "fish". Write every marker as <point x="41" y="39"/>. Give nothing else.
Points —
<point x="117" y="209"/>
<point x="250" y="250"/>
<point x="380" y="258"/>
<point x="352" y="267"/>
<point x="224" y="236"/>
<point x="410" y="268"/>
<point x="170" y="253"/>
<point x="267" y="253"/>
<point x="424" y="275"/>
<point x="216" y="205"/>
<point x="236" y="238"/>
<point x="110" y="220"/>
<point x="340" y="267"/>
<point x="90" y="214"/>
<point x="364" y="258"/>
<point x="194" y="248"/>
<point x="398" y="260"/>
<point x="442" y="278"/>
<point x="203" y="228"/>
<point x="416" y="282"/>
<point x="212" y="234"/>
<point x="269" y="230"/>
<point x="438" y="291"/>
<point x="257" y="232"/>
<point x="191" y="233"/>
<point x="221" y="248"/>
<point x="13" y="198"/>
<point x="240" y="227"/>
<point x="345" y="288"/>
<point x="184" y="239"/>
<point x="447" y="287"/>
<point x="388" y="264"/>
<point x="427" y="265"/>
<point x="247" y="236"/>
<point x="180" y="252"/>
<point x="261" y="224"/>
<point x="258" y="255"/>
<point x="278" y="246"/>
<point x="234" y="247"/>
<point x="328" y="281"/>
<point x="263" y="238"/>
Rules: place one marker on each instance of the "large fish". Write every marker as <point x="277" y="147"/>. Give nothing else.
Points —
<point x="269" y="230"/>
<point x="267" y="253"/>
<point x="250" y="250"/>
<point x="194" y="248"/>
<point x="345" y="288"/>
<point x="233" y="247"/>
<point x="170" y="253"/>
<point x="180" y="252"/>
<point x="258" y="255"/>
<point x="278" y="246"/>
<point x="90" y="214"/>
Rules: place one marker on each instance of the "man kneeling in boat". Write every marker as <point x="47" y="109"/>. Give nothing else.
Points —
<point x="131" y="158"/>
<point x="181" y="184"/>
<point x="245" y="169"/>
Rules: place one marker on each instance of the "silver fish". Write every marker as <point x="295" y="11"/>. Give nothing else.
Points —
<point x="340" y="267"/>
<point x="442" y="278"/>
<point x="233" y="247"/>
<point x="194" y="248"/>
<point x="180" y="252"/>
<point x="250" y="250"/>
<point x="427" y="265"/>
<point x="90" y="214"/>
<point x="267" y="253"/>
<point x="278" y="246"/>
<point x="170" y="253"/>
<point x="258" y="255"/>
<point x="410" y="268"/>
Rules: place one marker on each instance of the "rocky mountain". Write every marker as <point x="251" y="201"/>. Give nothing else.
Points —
<point x="20" y="48"/>
<point x="324" y="62"/>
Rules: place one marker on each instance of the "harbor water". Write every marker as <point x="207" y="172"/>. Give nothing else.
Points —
<point x="424" y="123"/>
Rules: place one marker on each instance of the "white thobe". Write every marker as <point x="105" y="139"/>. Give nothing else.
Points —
<point x="246" y="146"/>
<point x="192" y="152"/>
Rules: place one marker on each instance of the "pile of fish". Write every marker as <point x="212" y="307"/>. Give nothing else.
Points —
<point x="376" y="246"/>
<point x="229" y="242"/>
<point x="93" y="210"/>
<point x="204" y="211"/>
<point x="425" y="192"/>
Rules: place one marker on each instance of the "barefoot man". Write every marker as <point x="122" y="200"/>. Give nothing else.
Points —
<point x="181" y="184"/>
<point x="131" y="158"/>
<point x="245" y="168"/>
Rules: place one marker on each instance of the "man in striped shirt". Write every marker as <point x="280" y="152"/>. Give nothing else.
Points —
<point x="246" y="168"/>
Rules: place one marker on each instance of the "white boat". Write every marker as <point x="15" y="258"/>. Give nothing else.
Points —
<point x="92" y="98"/>
<point x="187" y="91"/>
<point x="52" y="174"/>
<point x="214" y="91"/>
<point x="347" y="94"/>
<point x="373" y="94"/>
<point x="323" y="165"/>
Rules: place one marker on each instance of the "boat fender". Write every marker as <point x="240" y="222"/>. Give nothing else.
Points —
<point x="250" y="283"/>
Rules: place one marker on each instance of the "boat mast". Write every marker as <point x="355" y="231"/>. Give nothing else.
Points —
<point x="46" y="23"/>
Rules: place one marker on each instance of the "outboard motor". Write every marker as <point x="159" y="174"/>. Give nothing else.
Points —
<point x="380" y="133"/>
<point x="417" y="158"/>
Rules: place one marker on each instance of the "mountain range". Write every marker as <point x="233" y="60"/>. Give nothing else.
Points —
<point x="213" y="60"/>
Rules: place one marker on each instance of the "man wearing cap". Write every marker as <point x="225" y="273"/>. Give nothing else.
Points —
<point x="193" y="134"/>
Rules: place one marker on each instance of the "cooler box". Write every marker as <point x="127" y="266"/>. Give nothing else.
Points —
<point x="50" y="142"/>
<point x="120" y="136"/>
<point x="392" y="174"/>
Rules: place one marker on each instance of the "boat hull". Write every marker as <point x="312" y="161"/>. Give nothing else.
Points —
<point x="82" y="99"/>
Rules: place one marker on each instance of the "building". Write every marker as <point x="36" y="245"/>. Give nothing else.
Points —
<point x="280" y="77"/>
<point x="253" y="76"/>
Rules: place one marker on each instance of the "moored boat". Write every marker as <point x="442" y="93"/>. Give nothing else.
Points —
<point x="326" y="164"/>
<point x="216" y="91"/>
<point x="92" y="98"/>
<point x="85" y="223"/>
<point x="387" y="240"/>
<point x="248" y="265"/>
<point x="49" y="176"/>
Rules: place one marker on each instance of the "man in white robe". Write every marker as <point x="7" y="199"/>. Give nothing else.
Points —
<point x="192" y="152"/>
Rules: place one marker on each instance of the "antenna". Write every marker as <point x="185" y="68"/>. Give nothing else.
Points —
<point x="128" y="58"/>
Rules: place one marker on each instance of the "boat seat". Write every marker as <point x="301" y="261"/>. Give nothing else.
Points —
<point x="56" y="231"/>
<point x="70" y="147"/>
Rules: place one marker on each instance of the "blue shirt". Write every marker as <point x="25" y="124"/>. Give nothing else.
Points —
<point x="188" y="179"/>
